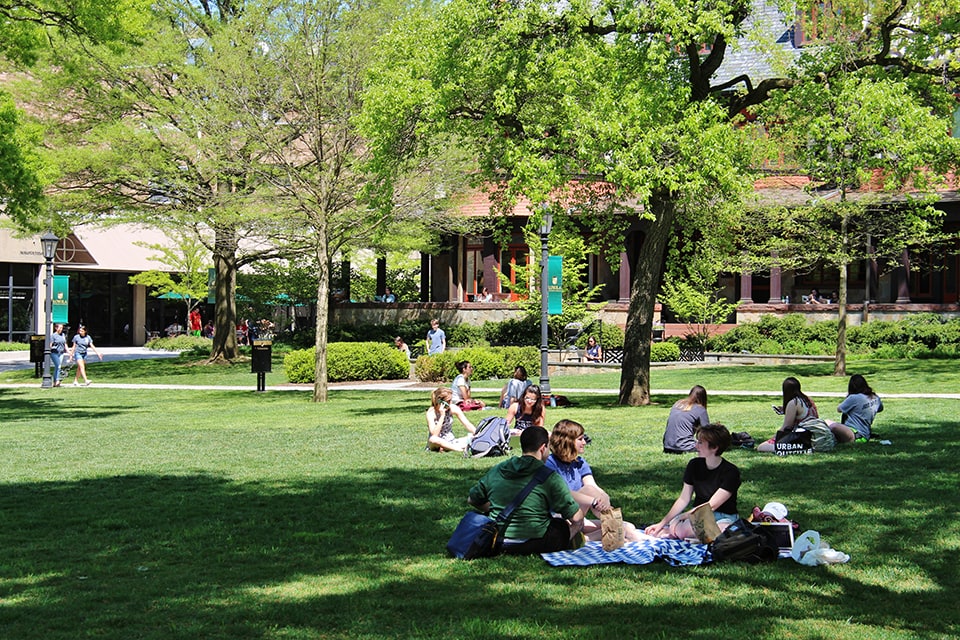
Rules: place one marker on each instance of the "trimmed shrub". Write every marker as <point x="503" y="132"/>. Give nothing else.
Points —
<point x="14" y="346"/>
<point x="349" y="361"/>
<point x="466" y="335"/>
<point x="513" y="332"/>
<point x="194" y="344"/>
<point x="664" y="352"/>
<point x="491" y="362"/>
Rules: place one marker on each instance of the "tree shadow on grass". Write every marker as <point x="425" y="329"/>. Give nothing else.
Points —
<point x="361" y="555"/>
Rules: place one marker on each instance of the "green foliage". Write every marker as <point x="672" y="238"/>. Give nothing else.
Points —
<point x="664" y="352"/>
<point x="916" y="336"/>
<point x="14" y="346"/>
<point x="181" y="343"/>
<point x="609" y="335"/>
<point x="187" y="263"/>
<point x="516" y="332"/>
<point x="21" y="185"/>
<point x="467" y="335"/>
<point x="492" y="362"/>
<point x="349" y="361"/>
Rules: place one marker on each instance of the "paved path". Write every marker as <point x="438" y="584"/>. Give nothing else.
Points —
<point x="10" y="360"/>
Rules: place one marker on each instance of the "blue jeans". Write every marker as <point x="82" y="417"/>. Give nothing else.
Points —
<point x="56" y="358"/>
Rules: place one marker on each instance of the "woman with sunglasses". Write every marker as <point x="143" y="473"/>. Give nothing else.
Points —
<point x="527" y="410"/>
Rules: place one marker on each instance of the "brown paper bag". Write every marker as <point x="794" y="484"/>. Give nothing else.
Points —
<point x="704" y="523"/>
<point x="611" y="528"/>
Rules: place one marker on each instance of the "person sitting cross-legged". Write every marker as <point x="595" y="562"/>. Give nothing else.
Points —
<point x="534" y="527"/>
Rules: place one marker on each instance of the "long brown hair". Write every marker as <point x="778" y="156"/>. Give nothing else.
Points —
<point x="537" y="409"/>
<point x="698" y="395"/>
<point x="563" y="440"/>
<point x="791" y="390"/>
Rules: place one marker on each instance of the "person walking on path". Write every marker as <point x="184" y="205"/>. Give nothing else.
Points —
<point x="58" y="348"/>
<point x="436" y="338"/>
<point x="81" y="344"/>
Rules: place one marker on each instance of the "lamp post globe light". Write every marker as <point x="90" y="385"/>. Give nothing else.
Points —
<point x="49" y="242"/>
<point x="544" y="293"/>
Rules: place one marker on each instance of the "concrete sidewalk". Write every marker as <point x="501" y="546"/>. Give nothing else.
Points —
<point x="10" y="360"/>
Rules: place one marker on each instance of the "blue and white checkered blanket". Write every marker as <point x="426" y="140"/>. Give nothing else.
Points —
<point x="674" y="552"/>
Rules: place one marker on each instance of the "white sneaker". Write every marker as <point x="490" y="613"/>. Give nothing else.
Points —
<point x="87" y="383"/>
<point x="76" y="384"/>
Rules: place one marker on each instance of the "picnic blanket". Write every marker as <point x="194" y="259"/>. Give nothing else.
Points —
<point x="676" y="553"/>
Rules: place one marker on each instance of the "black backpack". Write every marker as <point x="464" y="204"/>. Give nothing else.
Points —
<point x="492" y="438"/>
<point x="745" y="542"/>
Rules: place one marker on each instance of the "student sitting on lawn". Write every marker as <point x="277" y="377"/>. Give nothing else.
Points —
<point x="461" y="388"/>
<point x="515" y="387"/>
<point x="796" y="408"/>
<point x="567" y="442"/>
<point x="527" y="410"/>
<point x="440" y="423"/>
<point x="685" y="416"/>
<point x="858" y="409"/>
<point x="708" y="478"/>
<point x="548" y="519"/>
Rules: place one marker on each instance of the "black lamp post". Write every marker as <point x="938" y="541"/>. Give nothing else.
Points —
<point x="49" y="241"/>
<point x="544" y="293"/>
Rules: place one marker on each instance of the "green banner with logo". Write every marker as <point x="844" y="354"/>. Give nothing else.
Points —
<point x="61" y="299"/>
<point x="555" y="285"/>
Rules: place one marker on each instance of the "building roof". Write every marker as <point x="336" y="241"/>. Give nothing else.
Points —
<point x="766" y="49"/>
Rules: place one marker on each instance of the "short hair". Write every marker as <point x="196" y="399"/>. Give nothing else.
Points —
<point x="715" y="435"/>
<point x="462" y="365"/>
<point x="563" y="440"/>
<point x="532" y="438"/>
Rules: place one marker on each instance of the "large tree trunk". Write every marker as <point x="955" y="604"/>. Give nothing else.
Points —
<point x="225" y="305"/>
<point x="323" y="319"/>
<point x="645" y="282"/>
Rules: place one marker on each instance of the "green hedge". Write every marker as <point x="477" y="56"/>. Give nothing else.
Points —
<point x="349" y="361"/>
<point x="194" y="344"/>
<point x="922" y="335"/>
<point x="664" y="352"/>
<point x="489" y="362"/>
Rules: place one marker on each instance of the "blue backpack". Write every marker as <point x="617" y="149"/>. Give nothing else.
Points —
<point x="492" y="438"/>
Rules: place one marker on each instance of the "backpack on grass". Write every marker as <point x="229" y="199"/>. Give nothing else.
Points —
<point x="492" y="438"/>
<point x="745" y="542"/>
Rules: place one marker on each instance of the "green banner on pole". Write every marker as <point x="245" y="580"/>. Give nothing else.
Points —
<point x="555" y="285"/>
<point x="61" y="299"/>
<point x="211" y="285"/>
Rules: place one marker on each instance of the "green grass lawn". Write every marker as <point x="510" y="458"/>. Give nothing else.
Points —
<point x="184" y="514"/>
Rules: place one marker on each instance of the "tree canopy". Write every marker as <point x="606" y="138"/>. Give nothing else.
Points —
<point x="632" y="93"/>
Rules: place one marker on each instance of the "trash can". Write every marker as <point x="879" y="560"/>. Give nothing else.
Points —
<point x="37" y="343"/>
<point x="261" y="356"/>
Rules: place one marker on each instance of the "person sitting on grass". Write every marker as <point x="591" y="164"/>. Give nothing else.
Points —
<point x="527" y="410"/>
<point x="461" y="388"/>
<point x="440" y="423"/>
<point x="685" y="416"/>
<point x="796" y="408"/>
<point x="549" y="519"/>
<point x="708" y="478"/>
<point x="567" y="442"/>
<point x="858" y="410"/>
<point x="515" y="387"/>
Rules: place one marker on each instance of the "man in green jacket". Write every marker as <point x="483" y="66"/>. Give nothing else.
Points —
<point x="534" y="527"/>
